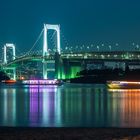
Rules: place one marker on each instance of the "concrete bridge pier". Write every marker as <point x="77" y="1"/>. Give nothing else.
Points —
<point x="67" y="66"/>
<point x="14" y="73"/>
<point x="66" y="69"/>
<point x="45" y="74"/>
<point x="59" y="67"/>
<point x="71" y="68"/>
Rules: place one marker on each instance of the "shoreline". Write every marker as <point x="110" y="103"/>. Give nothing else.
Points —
<point x="36" y="133"/>
<point x="101" y="79"/>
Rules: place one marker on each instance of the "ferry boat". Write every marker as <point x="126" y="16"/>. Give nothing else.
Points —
<point x="34" y="82"/>
<point x="123" y="85"/>
<point x="9" y="81"/>
<point x="42" y="82"/>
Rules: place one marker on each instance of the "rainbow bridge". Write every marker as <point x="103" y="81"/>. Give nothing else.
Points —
<point x="63" y="64"/>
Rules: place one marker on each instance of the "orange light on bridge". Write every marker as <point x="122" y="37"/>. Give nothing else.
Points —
<point x="22" y="78"/>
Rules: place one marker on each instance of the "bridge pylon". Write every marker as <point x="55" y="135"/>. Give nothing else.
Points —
<point x="10" y="46"/>
<point x="45" y="46"/>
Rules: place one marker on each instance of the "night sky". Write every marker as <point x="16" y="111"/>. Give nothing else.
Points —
<point x="82" y="21"/>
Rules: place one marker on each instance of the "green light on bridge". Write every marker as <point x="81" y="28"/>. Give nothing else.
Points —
<point x="74" y="70"/>
<point x="72" y="73"/>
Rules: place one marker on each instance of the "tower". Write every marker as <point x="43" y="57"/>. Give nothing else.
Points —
<point x="45" y="45"/>
<point x="10" y="46"/>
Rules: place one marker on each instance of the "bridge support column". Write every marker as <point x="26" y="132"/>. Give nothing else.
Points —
<point x="67" y="68"/>
<point x="11" y="72"/>
<point x="5" y="51"/>
<point x="59" y="67"/>
<point x="45" y="74"/>
<point x="46" y="53"/>
<point x="5" y="58"/>
<point x="75" y="69"/>
<point x="13" y="69"/>
<point x="14" y="73"/>
<point x="71" y="68"/>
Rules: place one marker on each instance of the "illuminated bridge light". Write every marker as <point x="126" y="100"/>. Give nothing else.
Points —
<point x="102" y="56"/>
<point x="79" y="54"/>
<point x="85" y="56"/>
<point x="89" y="54"/>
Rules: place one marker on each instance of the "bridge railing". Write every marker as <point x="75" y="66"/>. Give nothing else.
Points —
<point x="104" y="55"/>
<point x="84" y="55"/>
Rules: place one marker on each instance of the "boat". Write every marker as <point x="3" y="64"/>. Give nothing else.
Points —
<point x="9" y="81"/>
<point x="34" y="82"/>
<point x="41" y="82"/>
<point x="123" y="84"/>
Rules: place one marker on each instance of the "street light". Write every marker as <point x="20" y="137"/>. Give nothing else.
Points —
<point x="98" y="48"/>
<point x="109" y="47"/>
<point x="137" y="47"/>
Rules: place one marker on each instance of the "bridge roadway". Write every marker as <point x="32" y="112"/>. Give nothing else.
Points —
<point x="101" y="56"/>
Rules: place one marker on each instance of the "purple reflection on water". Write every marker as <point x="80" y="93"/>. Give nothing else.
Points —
<point x="41" y="104"/>
<point x="34" y="104"/>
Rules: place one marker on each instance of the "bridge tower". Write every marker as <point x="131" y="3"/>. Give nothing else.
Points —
<point x="10" y="46"/>
<point x="45" y="46"/>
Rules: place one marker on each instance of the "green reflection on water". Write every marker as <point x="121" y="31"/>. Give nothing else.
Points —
<point x="69" y="105"/>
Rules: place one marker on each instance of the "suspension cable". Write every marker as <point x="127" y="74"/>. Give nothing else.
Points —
<point x="53" y="40"/>
<point x="64" y="39"/>
<point x="35" y="42"/>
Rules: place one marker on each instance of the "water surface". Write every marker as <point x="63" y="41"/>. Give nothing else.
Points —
<point x="69" y="106"/>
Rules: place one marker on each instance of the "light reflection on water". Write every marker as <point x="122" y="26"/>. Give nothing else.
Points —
<point x="69" y="106"/>
<point x="129" y="106"/>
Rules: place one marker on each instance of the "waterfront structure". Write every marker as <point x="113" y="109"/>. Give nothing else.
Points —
<point x="65" y="65"/>
<point x="45" y="47"/>
<point x="10" y="46"/>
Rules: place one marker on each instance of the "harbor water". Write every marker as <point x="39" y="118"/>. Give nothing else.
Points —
<point x="69" y="105"/>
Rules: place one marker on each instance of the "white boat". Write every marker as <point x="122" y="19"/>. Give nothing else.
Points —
<point x="35" y="82"/>
<point x="123" y="84"/>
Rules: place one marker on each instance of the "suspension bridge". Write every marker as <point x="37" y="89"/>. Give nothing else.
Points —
<point x="63" y="64"/>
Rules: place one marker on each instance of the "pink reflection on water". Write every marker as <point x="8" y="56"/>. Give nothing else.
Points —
<point x="34" y="104"/>
<point x="41" y="104"/>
